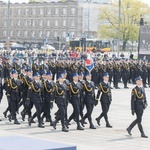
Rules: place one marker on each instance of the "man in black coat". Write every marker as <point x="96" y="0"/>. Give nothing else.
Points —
<point x="60" y="100"/>
<point x="13" y="95"/>
<point x="75" y="88"/>
<point x="105" y="99"/>
<point x="36" y="95"/>
<point x="138" y="104"/>
<point x="89" y="99"/>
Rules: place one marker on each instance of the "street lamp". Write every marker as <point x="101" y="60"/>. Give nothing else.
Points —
<point x="119" y="21"/>
<point x="88" y="16"/>
<point x="8" y="38"/>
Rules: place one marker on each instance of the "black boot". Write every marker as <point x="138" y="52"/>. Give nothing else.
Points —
<point x="9" y="117"/>
<point x="54" y="124"/>
<point x="98" y="120"/>
<point x="108" y="124"/>
<point x="40" y="125"/>
<point x="82" y="122"/>
<point x="64" y="128"/>
<point x="5" y="114"/>
<point x="92" y="126"/>
<point x="23" y="115"/>
<point x="142" y="131"/>
<point x="131" y="126"/>
<point x="16" y="121"/>
<point x="79" y="126"/>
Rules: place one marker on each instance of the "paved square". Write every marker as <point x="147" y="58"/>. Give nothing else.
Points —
<point x="100" y="139"/>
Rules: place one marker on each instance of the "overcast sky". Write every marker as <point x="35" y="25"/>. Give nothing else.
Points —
<point x="20" y="1"/>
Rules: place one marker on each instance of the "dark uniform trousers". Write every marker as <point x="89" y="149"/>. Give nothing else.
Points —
<point x="89" y="100"/>
<point x="138" y="104"/>
<point x="35" y="95"/>
<point x="105" y="100"/>
<point x="75" y="101"/>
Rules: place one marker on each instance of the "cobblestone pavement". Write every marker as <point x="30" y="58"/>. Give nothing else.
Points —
<point x="100" y="139"/>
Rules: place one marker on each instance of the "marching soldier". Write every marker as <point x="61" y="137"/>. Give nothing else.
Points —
<point x="35" y="94"/>
<point x="60" y="100"/>
<point x="138" y="104"/>
<point x="116" y="76"/>
<point x="49" y="87"/>
<point x="125" y="73"/>
<point x="105" y="99"/>
<point x="145" y="74"/>
<point x="89" y="99"/>
<point x="52" y="68"/>
<point x="75" y="88"/>
<point x="109" y="70"/>
<point x="35" y="66"/>
<point x="16" y="65"/>
<point x="13" y="94"/>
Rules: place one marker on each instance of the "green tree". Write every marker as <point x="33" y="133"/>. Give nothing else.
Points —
<point x="131" y="12"/>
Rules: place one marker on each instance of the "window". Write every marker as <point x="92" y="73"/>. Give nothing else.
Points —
<point x="63" y="34"/>
<point x="26" y="11"/>
<point x="33" y="33"/>
<point x="18" y="33"/>
<point x="56" y="12"/>
<point x="72" y="34"/>
<point x="11" y="22"/>
<point x="19" y="11"/>
<point x="11" y="33"/>
<point x="33" y="11"/>
<point x="48" y="11"/>
<point x="56" y="23"/>
<point x="41" y="11"/>
<point x="64" y="11"/>
<point x="48" y="23"/>
<point x="10" y="11"/>
<point x="64" y="22"/>
<point x="4" y="22"/>
<point x="26" y="22"/>
<point x="47" y="33"/>
<point x="18" y="22"/>
<point x="4" y="33"/>
<point x="72" y="23"/>
<point x="33" y="22"/>
<point x="73" y="11"/>
<point x="25" y="33"/>
<point x="40" y="33"/>
<point x="40" y="23"/>
<point x="55" y="34"/>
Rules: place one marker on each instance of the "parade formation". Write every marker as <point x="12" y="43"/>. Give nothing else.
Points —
<point x="66" y="80"/>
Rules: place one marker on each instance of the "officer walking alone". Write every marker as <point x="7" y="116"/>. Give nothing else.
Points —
<point x="138" y="104"/>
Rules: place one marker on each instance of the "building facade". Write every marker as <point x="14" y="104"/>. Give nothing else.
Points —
<point x="35" y="22"/>
<point x="39" y="22"/>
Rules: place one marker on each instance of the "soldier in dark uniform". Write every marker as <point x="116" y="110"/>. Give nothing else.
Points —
<point x="101" y="70"/>
<point x="109" y="70"/>
<point x="1" y="84"/>
<point x="49" y="87"/>
<point x="145" y="73"/>
<point x="13" y="93"/>
<point x="75" y="89"/>
<point x="16" y="65"/>
<point x="1" y="77"/>
<point x="148" y="68"/>
<point x="35" y="94"/>
<point x="138" y="104"/>
<point x="25" y="64"/>
<point x="27" y="80"/>
<point x="89" y="99"/>
<point x="52" y="68"/>
<point x="105" y="99"/>
<point x="95" y="74"/>
<point x="35" y="66"/>
<point x="116" y="76"/>
<point x="44" y="66"/>
<point x="125" y="73"/>
<point x="60" y="100"/>
<point x="82" y="95"/>
<point x="7" y="73"/>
